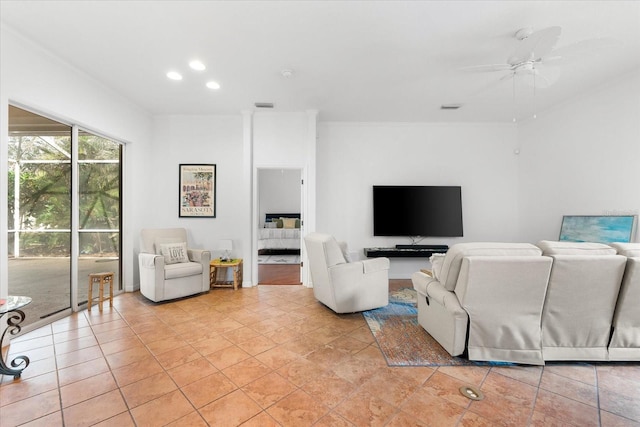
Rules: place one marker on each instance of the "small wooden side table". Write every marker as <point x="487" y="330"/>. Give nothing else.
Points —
<point x="101" y="279"/>
<point x="216" y="264"/>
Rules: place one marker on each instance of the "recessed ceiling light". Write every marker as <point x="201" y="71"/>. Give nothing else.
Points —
<point x="174" y="75"/>
<point x="197" y="65"/>
<point x="213" y="85"/>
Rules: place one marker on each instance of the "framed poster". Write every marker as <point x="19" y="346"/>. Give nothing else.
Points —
<point x="197" y="191"/>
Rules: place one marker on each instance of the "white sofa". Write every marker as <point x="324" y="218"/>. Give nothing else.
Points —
<point x="345" y="287"/>
<point x="178" y="272"/>
<point x="553" y="301"/>
<point x="495" y="291"/>
<point x="625" y="340"/>
<point x="581" y="299"/>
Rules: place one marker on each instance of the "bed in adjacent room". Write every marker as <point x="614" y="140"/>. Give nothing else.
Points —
<point x="280" y="234"/>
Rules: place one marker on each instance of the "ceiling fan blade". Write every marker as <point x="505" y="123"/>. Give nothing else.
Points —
<point x="535" y="46"/>
<point x="590" y="48"/>
<point x="540" y="80"/>
<point x="487" y="68"/>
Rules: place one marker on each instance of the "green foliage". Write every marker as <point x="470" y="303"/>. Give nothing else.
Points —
<point x="45" y="175"/>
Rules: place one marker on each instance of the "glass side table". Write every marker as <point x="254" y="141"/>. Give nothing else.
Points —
<point x="11" y="307"/>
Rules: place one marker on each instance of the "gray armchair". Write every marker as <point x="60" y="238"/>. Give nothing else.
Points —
<point x="345" y="287"/>
<point x="169" y="269"/>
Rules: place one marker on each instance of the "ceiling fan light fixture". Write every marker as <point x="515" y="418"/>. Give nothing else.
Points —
<point x="197" y="65"/>
<point x="213" y="85"/>
<point x="524" y="33"/>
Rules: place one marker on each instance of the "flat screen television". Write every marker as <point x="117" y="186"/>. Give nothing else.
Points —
<point x="419" y="211"/>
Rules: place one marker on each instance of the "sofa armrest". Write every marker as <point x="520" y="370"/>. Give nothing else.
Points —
<point x="201" y="256"/>
<point x="374" y="264"/>
<point x="151" y="260"/>
<point x="421" y="282"/>
<point x="151" y="275"/>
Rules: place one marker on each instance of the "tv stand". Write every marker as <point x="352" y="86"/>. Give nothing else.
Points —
<point x="411" y="251"/>
<point x="422" y="247"/>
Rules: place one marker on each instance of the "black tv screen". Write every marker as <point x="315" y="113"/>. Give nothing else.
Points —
<point x="426" y="211"/>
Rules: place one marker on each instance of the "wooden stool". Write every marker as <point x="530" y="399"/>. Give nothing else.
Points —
<point x="101" y="279"/>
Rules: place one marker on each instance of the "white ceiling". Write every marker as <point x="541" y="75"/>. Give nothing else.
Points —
<point x="352" y="60"/>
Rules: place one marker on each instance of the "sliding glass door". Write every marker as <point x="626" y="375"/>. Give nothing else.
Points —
<point x="64" y="212"/>
<point x="99" y="182"/>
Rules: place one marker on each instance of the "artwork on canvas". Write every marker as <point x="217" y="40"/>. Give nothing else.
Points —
<point x="197" y="191"/>
<point x="597" y="229"/>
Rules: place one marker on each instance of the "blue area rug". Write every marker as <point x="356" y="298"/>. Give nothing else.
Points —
<point x="402" y="340"/>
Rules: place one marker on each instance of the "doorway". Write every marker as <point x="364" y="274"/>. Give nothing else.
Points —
<point x="280" y="226"/>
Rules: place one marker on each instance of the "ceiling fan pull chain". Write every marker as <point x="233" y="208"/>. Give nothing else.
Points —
<point x="534" y="95"/>
<point x="514" y="97"/>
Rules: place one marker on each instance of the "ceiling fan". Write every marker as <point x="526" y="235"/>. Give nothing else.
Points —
<point x="529" y="57"/>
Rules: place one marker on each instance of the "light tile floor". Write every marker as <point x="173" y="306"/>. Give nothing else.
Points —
<point x="274" y="356"/>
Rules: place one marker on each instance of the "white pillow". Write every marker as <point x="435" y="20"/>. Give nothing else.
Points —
<point x="159" y="241"/>
<point x="174" y="252"/>
<point x="436" y="264"/>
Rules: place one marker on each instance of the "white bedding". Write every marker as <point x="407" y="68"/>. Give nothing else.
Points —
<point x="279" y="238"/>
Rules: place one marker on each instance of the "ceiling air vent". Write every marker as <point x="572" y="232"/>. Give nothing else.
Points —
<point x="450" y="106"/>
<point x="264" y="104"/>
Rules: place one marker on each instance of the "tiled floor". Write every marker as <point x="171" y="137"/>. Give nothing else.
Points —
<point x="272" y="355"/>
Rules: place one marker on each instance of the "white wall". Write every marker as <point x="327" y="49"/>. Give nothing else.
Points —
<point x="31" y="77"/>
<point x="352" y="157"/>
<point x="195" y="139"/>
<point x="581" y="158"/>
<point x="286" y="140"/>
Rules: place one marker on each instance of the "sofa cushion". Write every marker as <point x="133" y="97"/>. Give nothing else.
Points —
<point x="574" y="248"/>
<point x="182" y="269"/>
<point x="450" y="270"/>
<point x="627" y="249"/>
<point x="174" y="253"/>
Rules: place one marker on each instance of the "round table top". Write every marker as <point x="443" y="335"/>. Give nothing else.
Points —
<point x="13" y="302"/>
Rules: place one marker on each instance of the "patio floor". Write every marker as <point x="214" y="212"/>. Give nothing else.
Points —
<point x="46" y="281"/>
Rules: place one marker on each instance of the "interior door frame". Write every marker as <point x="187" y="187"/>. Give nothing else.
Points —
<point x="256" y="220"/>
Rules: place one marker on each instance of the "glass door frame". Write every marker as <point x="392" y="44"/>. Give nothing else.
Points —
<point x="74" y="280"/>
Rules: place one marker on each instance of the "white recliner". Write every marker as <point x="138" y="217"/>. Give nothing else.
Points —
<point x="581" y="300"/>
<point x="486" y="298"/>
<point x="169" y="269"/>
<point x="625" y="340"/>
<point x="345" y="287"/>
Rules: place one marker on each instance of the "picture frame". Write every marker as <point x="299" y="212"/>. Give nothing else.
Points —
<point x="197" y="191"/>
<point x="598" y="228"/>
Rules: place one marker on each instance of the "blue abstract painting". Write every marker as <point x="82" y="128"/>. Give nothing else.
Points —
<point x="597" y="229"/>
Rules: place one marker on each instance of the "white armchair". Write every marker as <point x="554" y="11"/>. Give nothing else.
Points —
<point x="345" y="287"/>
<point x="168" y="267"/>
